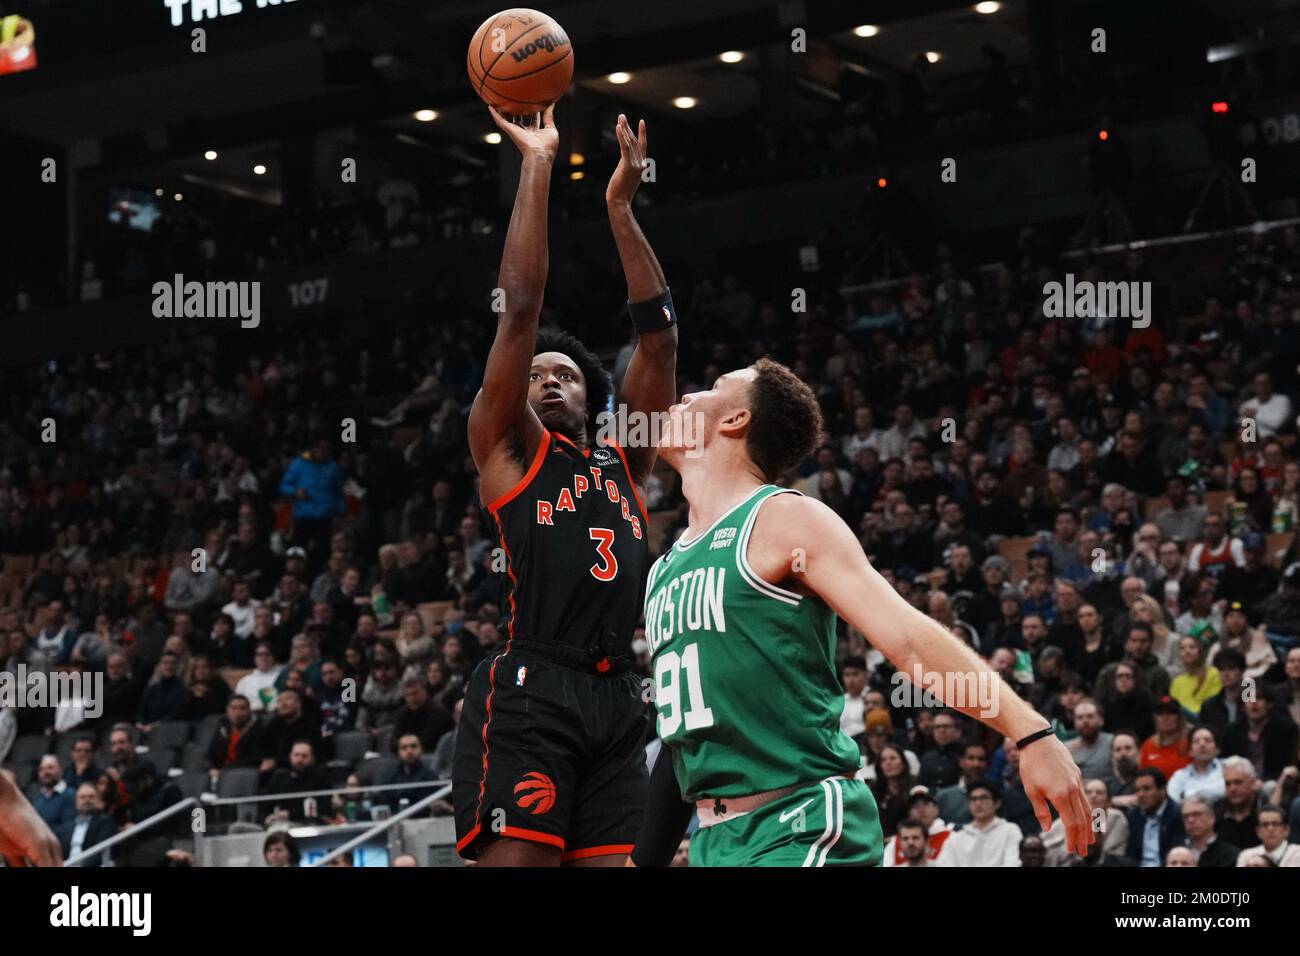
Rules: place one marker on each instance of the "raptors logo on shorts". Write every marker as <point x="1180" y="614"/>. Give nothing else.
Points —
<point x="535" y="793"/>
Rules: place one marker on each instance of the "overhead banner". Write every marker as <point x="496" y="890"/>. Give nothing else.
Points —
<point x="17" y="44"/>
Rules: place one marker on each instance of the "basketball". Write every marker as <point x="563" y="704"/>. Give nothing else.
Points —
<point x="520" y="61"/>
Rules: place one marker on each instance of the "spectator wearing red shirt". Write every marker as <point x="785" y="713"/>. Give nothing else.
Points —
<point x="1168" y="748"/>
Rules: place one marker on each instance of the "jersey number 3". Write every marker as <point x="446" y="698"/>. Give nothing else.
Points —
<point x="607" y="569"/>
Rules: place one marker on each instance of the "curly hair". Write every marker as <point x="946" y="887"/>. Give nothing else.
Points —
<point x="600" y="387"/>
<point x="787" y="419"/>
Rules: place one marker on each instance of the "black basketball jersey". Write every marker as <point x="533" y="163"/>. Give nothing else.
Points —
<point x="575" y="539"/>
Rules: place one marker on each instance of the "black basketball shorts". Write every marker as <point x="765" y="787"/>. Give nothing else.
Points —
<point x="551" y="750"/>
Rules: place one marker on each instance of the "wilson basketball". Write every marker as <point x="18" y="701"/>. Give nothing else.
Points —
<point x="520" y="61"/>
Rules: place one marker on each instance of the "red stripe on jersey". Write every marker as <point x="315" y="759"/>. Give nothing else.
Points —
<point x="529" y="475"/>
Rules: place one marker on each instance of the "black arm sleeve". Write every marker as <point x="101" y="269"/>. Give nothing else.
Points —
<point x="666" y="816"/>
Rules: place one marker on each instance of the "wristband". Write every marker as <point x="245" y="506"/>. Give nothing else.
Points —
<point x="1026" y="741"/>
<point x="653" y="315"/>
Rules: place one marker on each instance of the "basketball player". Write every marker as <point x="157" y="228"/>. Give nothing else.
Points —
<point x="740" y="617"/>
<point x="550" y="762"/>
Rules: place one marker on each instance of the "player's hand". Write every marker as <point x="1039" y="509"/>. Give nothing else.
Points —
<point x="24" y="836"/>
<point x="631" y="161"/>
<point x="1050" y="775"/>
<point x="538" y="137"/>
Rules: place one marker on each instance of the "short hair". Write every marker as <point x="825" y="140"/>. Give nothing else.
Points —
<point x="600" y="388"/>
<point x="1155" y="773"/>
<point x="1144" y="627"/>
<point x="234" y="697"/>
<point x="987" y="785"/>
<point x="1230" y="659"/>
<point x="785" y="419"/>
<point x="412" y="682"/>
<point x="1239" y="763"/>
<point x="907" y="824"/>
<point x="282" y="838"/>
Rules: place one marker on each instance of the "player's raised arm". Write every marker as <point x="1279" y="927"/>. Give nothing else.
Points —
<point x="649" y="386"/>
<point x="501" y="410"/>
<point x="836" y="569"/>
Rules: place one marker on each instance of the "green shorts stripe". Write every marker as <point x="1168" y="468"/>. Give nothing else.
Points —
<point x="830" y="823"/>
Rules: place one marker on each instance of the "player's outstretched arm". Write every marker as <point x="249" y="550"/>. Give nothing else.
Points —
<point x="835" y="568"/>
<point x="649" y="386"/>
<point x="501" y="407"/>
<point x="24" y="836"/>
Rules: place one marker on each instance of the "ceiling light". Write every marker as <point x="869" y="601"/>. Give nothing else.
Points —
<point x="619" y="78"/>
<point x="932" y="56"/>
<point x="987" y="7"/>
<point x="576" y="159"/>
<point x="492" y="138"/>
<point x="178" y="197"/>
<point x="731" y="56"/>
<point x="426" y="116"/>
<point x="259" y="170"/>
<point x="684" y="102"/>
<point x="577" y="174"/>
<point x="210" y="155"/>
<point x="866" y="30"/>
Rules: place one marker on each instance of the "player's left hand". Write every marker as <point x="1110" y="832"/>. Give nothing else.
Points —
<point x="632" y="150"/>
<point x="1050" y="775"/>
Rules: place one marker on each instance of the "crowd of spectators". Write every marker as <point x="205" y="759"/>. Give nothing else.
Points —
<point x="276" y="600"/>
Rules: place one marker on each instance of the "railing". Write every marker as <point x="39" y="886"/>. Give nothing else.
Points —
<point x="100" y="848"/>
<point x="383" y="825"/>
<point x="211" y="800"/>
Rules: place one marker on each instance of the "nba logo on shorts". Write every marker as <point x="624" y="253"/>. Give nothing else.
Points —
<point x="535" y="793"/>
<point x="520" y="675"/>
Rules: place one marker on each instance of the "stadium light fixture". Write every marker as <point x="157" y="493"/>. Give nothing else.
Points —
<point x="210" y="155"/>
<point x="492" y="138"/>
<point x="933" y="56"/>
<point x="866" y="30"/>
<point x="731" y="56"/>
<point x="426" y="116"/>
<point x="179" y="196"/>
<point x="618" y="79"/>
<point x="576" y="159"/>
<point x="577" y="174"/>
<point x="684" y="102"/>
<point x="259" y="170"/>
<point x="158" y="193"/>
<point x="988" y="7"/>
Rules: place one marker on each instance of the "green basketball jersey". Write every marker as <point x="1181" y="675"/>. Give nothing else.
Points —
<point x="745" y="682"/>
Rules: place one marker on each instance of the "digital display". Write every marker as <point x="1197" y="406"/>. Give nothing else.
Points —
<point x="361" y="856"/>
<point x="17" y="44"/>
<point x="135" y="208"/>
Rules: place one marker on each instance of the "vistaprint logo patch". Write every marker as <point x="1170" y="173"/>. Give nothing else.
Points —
<point x="74" y="910"/>
<point x="23" y="687"/>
